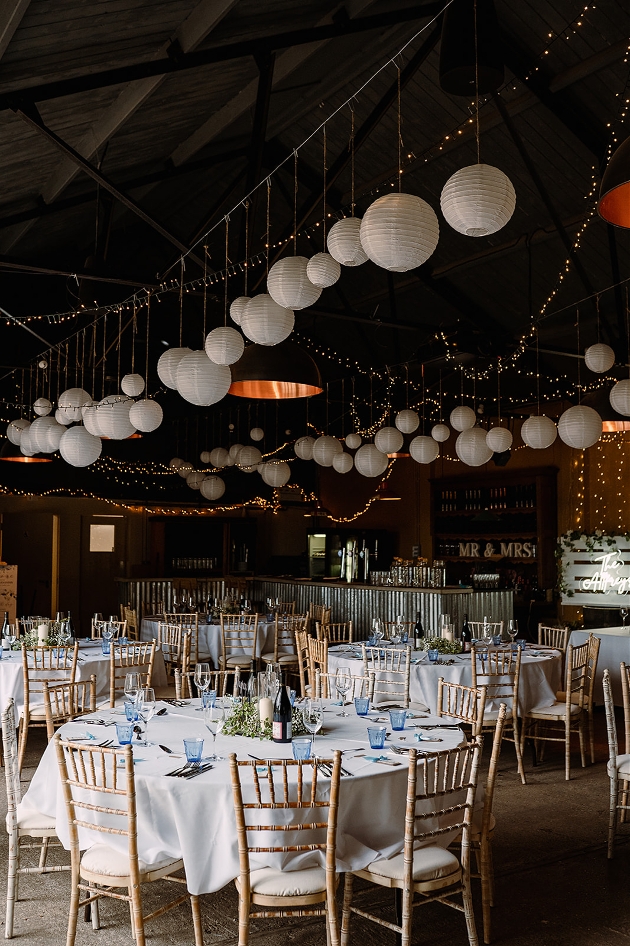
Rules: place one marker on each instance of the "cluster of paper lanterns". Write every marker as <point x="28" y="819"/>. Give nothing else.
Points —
<point x="197" y="378"/>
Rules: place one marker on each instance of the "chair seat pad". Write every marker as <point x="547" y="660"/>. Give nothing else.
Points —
<point x="555" y="711"/>
<point x="270" y="882"/>
<point x="491" y="715"/>
<point x="33" y="822"/>
<point x="623" y="766"/>
<point x="102" y="859"/>
<point x="282" y="658"/>
<point x="418" y="707"/>
<point x="38" y="711"/>
<point x="429" y="863"/>
<point x="237" y="660"/>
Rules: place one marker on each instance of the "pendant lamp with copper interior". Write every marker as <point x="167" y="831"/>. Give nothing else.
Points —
<point x="11" y="453"/>
<point x="614" y="193"/>
<point x="275" y="372"/>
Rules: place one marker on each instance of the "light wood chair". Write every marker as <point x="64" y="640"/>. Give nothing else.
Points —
<point x="278" y="893"/>
<point x="425" y="872"/>
<point x="85" y="772"/>
<point x="284" y="652"/>
<point x="325" y="684"/>
<point x="335" y="633"/>
<point x="41" y="665"/>
<point x="285" y="607"/>
<point x="467" y="704"/>
<point x="618" y="765"/>
<point x="318" y="613"/>
<point x="317" y="660"/>
<point x="476" y="627"/>
<point x="65" y="701"/>
<point x="219" y="681"/>
<point x="27" y="830"/>
<point x="170" y="640"/>
<point x="499" y="671"/>
<point x="124" y="658"/>
<point x="557" y="637"/>
<point x="239" y="635"/>
<point x="120" y="629"/>
<point x="301" y="648"/>
<point x="130" y="615"/>
<point x="391" y="670"/>
<point x="409" y="626"/>
<point x="190" y="622"/>
<point x="174" y="691"/>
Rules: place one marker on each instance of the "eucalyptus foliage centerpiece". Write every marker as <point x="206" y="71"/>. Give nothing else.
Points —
<point x="244" y="720"/>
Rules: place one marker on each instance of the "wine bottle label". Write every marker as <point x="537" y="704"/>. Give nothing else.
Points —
<point x="281" y="731"/>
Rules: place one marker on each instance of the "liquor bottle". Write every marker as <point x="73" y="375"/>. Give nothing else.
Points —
<point x="5" y="626"/>
<point x="466" y="636"/>
<point x="418" y="632"/>
<point x="282" y="715"/>
<point x="70" y="627"/>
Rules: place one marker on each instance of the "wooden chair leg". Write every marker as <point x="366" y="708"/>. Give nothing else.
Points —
<point x="398" y="913"/>
<point x="12" y="879"/>
<point x="243" y="919"/>
<point x="624" y="801"/>
<point x="612" y="817"/>
<point x="74" y="912"/>
<point x="519" y="752"/>
<point x="94" y="914"/>
<point x="138" y="919"/>
<point x="43" y="853"/>
<point x="468" y="912"/>
<point x="345" y="913"/>
<point x="197" y="924"/>
<point x="591" y="736"/>
<point x="22" y="746"/>
<point x="487" y="889"/>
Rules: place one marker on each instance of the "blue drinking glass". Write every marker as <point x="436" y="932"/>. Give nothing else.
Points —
<point x="362" y="705"/>
<point x="193" y="748"/>
<point x="397" y="719"/>
<point x="301" y="746"/>
<point x="124" y="733"/>
<point x="376" y="735"/>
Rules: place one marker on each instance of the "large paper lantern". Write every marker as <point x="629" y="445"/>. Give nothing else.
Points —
<point x="113" y="417"/>
<point x="344" y="242"/>
<point x="276" y="473"/>
<point x="323" y="270"/>
<point x="407" y="421"/>
<point x="599" y="358"/>
<point x="55" y="433"/>
<point x="38" y="432"/>
<point x="79" y="448"/>
<point x="354" y="441"/>
<point x="440" y="432"/>
<point x="204" y="456"/>
<point x="424" y="449"/>
<point x="304" y="448"/>
<point x="463" y="418"/>
<point x="288" y="283"/>
<point x="478" y="200"/>
<point x="200" y="381"/>
<point x="399" y="232"/>
<point x="257" y="433"/>
<point x="184" y="469"/>
<point x="580" y="427"/>
<point x="233" y="453"/>
<point x="70" y="403"/>
<point x="343" y="462"/>
<point x="91" y="420"/>
<point x="62" y="418"/>
<point x="16" y="428"/>
<point x="42" y="406"/>
<point x="212" y="487"/>
<point x="249" y="457"/>
<point x="224" y="345"/>
<point x="499" y="439"/>
<point x="195" y="479"/>
<point x="619" y="398"/>
<point x="26" y="449"/>
<point x="219" y="457"/>
<point x="369" y="460"/>
<point x="265" y="322"/>
<point x="167" y="366"/>
<point x="132" y="384"/>
<point x="388" y="440"/>
<point x="538" y="432"/>
<point x="324" y="449"/>
<point x="175" y="464"/>
<point x="146" y="415"/>
<point x="471" y="447"/>
<point x="237" y="308"/>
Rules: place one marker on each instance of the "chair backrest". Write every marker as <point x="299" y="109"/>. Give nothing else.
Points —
<point x="285" y="607"/>
<point x="219" y="681"/>
<point x="391" y="669"/>
<point x="11" y="765"/>
<point x="499" y="672"/>
<point x="130" y="615"/>
<point x="301" y="648"/>
<point x="594" y="644"/>
<point x="576" y="675"/>
<point x="335" y="633"/>
<point x="285" y="629"/>
<point x="476" y="627"/>
<point x="119" y="628"/>
<point x="359" y="686"/>
<point x="64" y="701"/>
<point x="319" y="612"/>
<point x="317" y="660"/>
<point x="611" y="724"/>
<point x="557" y="637"/>
<point x="239" y="633"/>
<point x="389" y="625"/>
<point x="25" y="625"/>
<point x="191" y="623"/>
<point x="170" y="639"/>
<point x="123" y="659"/>
<point x="44" y="664"/>
<point x="624" y="670"/>
<point x="462" y="702"/>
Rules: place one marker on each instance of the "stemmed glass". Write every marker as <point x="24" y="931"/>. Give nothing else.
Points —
<point x="624" y="615"/>
<point x="132" y="685"/>
<point x="313" y="717"/>
<point x="146" y="709"/>
<point x="512" y="629"/>
<point x="377" y="631"/>
<point x="214" y="719"/>
<point x="10" y="637"/>
<point x="202" y="680"/>
<point x="343" y="682"/>
<point x="64" y="634"/>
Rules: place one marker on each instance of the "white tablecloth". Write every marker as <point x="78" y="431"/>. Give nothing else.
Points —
<point x="614" y="647"/>
<point x="195" y="819"/>
<point x="540" y="676"/>
<point x="210" y="643"/>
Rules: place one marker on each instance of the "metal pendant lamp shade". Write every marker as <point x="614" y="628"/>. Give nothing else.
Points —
<point x="614" y="194"/>
<point x="457" y="51"/>
<point x="280" y="371"/>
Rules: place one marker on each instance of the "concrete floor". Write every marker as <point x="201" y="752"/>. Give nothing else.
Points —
<point x="554" y="884"/>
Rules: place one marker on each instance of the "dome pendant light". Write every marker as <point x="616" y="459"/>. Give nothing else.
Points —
<point x="458" y="62"/>
<point x="614" y="194"/>
<point x="275" y="372"/>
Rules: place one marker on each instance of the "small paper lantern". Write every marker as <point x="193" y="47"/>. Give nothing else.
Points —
<point x="440" y="432"/>
<point x="42" y="406"/>
<point x="212" y="487"/>
<point x="62" y="417"/>
<point x="16" y="428"/>
<point x="224" y="345"/>
<point x="388" y="440"/>
<point x="195" y="479"/>
<point x="399" y="232"/>
<point x="538" y="432"/>
<point x="167" y="366"/>
<point x="184" y="469"/>
<point x="344" y="242"/>
<point x="249" y="457"/>
<point x="237" y="308"/>
<point x="369" y="460"/>
<point x="619" y="398"/>
<point x="113" y="417"/>
<point x="79" y="448"/>
<point x="343" y="462"/>
<point x="407" y="421"/>
<point x="499" y="439"/>
<point x="200" y="381"/>
<point x="55" y="433"/>
<point x="304" y="448"/>
<point x="354" y="441"/>
<point x="265" y="322"/>
<point x="478" y="200"/>
<point x="276" y="473"/>
<point x="463" y="418"/>
<point x="323" y="270"/>
<point x="26" y="449"/>
<point x="91" y="420"/>
<point x="288" y="283"/>
<point x="146" y="415"/>
<point x="204" y="456"/>
<point x="324" y="449"/>
<point x="471" y="447"/>
<point x="580" y="427"/>
<point x="175" y="464"/>
<point x="38" y="432"/>
<point x="70" y="403"/>
<point x="219" y="457"/>
<point x="257" y="433"/>
<point x="132" y="384"/>
<point x="424" y="449"/>
<point x="599" y="358"/>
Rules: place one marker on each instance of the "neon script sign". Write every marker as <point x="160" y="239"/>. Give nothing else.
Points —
<point x="608" y="577"/>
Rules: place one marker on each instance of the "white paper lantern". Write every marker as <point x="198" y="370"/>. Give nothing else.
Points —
<point x="62" y="418"/>
<point x="249" y="457"/>
<point x="257" y="433"/>
<point x="91" y="420"/>
<point x="167" y="366"/>
<point x="79" y="448"/>
<point x="204" y="456"/>
<point x="343" y="462"/>
<point x="184" y="469"/>
<point x="304" y="448"/>
<point x="388" y="440"/>
<point x="265" y="322"/>
<point x="212" y="487"/>
<point x="424" y="449"/>
<point x="55" y="433"/>
<point x="16" y="428"/>
<point x="538" y="432"/>
<point x="369" y="460"/>
<point x="175" y="464"/>
<point x="70" y="403"/>
<point x="233" y="453"/>
<point x="580" y="427"/>
<point x="344" y="242"/>
<point x="399" y="232"/>
<point x="224" y="345"/>
<point x="238" y="307"/>
<point x="25" y="443"/>
<point x="463" y="418"/>
<point x="38" y="432"/>
<point x="323" y="270"/>
<point x="195" y="479"/>
<point x="112" y="415"/>
<point x="42" y="406"/>
<point x="288" y="283"/>
<point x="324" y="449"/>
<point x="478" y="200"/>
<point x="619" y="397"/>
<point x="276" y="473"/>
<point x="499" y="439"/>
<point x="219" y="457"/>
<point x="471" y="447"/>
<point x="85" y="407"/>
<point x="200" y="381"/>
<point x="132" y="384"/>
<point x="599" y="358"/>
<point x="440" y="432"/>
<point x="407" y="421"/>
<point x="354" y="441"/>
<point x="146" y="415"/>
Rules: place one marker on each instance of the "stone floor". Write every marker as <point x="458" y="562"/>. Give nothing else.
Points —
<point x="554" y="884"/>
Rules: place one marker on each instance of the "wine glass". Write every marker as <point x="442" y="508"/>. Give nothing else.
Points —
<point x="377" y="628"/>
<point x="214" y="720"/>
<point x="64" y="633"/>
<point x="146" y="710"/>
<point x="313" y="717"/>
<point x="10" y="637"/>
<point x="202" y="679"/>
<point x="343" y="682"/>
<point x="132" y="685"/>
<point x="512" y="629"/>
<point x="624" y="615"/>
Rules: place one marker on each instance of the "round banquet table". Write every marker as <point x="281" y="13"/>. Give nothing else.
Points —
<point x="210" y="643"/>
<point x="194" y="819"/>
<point x="541" y="674"/>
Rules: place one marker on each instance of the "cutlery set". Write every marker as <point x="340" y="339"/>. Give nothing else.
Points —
<point x="191" y="769"/>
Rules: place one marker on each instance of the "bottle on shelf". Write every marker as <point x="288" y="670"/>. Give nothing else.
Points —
<point x="70" y="627"/>
<point x="418" y="632"/>
<point x="282" y="715"/>
<point x="466" y="636"/>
